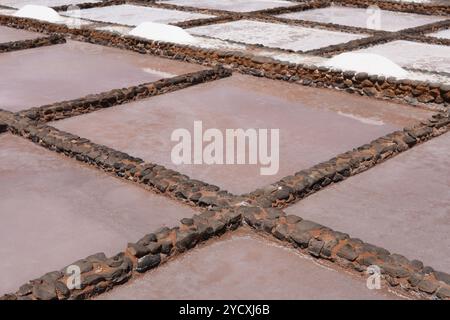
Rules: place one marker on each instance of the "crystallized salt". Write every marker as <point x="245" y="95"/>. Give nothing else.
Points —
<point x="366" y="62"/>
<point x="162" y="32"/>
<point x="38" y="12"/>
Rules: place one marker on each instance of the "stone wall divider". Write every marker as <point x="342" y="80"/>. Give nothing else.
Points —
<point x="32" y="43"/>
<point x="93" y="102"/>
<point x="293" y="188"/>
<point x="410" y="7"/>
<point x="99" y="273"/>
<point x="416" y="93"/>
<point x="150" y="176"/>
<point x="411" y="277"/>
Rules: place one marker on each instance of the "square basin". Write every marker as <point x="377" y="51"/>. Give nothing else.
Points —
<point x="414" y="55"/>
<point x="274" y="35"/>
<point x="233" y="5"/>
<point x="364" y="18"/>
<point x="244" y="266"/>
<point x="48" y="3"/>
<point x="314" y="125"/>
<point x="45" y="75"/>
<point x="132" y="15"/>
<point x="54" y="211"/>
<point x="402" y="205"/>
<point x="444" y="34"/>
<point x="10" y="34"/>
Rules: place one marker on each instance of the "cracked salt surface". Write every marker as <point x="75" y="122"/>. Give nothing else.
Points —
<point x="444" y="34"/>
<point x="233" y="5"/>
<point x="429" y="77"/>
<point x="361" y="18"/>
<point x="292" y="57"/>
<point x="275" y="35"/>
<point x="132" y="15"/>
<point x="208" y="43"/>
<point x="49" y="3"/>
<point x="123" y="30"/>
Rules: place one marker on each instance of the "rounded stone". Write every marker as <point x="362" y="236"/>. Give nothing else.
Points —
<point x="148" y="262"/>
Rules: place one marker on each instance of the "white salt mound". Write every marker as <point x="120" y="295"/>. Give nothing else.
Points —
<point x="38" y="12"/>
<point x="162" y="32"/>
<point x="366" y="62"/>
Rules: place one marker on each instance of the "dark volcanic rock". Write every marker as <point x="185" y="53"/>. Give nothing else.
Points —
<point x="137" y="250"/>
<point x="44" y="291"/>
<point x="147" y="262"/>
<point x="186" y="240"/>
<point x="347" y="252"/>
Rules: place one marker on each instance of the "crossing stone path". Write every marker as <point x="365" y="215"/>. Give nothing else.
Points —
<point x="238" y="166"/>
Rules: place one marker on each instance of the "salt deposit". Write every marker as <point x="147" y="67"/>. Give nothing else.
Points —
<point x="274" y="35"/>
<point x="162" y="32"/>
<point x="366" y="62"/>
<point x="414" y="55"/>
<point x="364" y="18"/>
<point x="233" y="5"/>
<point x="444" y="34"/>
<point x="38" y="12"/>
<point x="133" y="15"/>
<point x="49" y="3"/>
